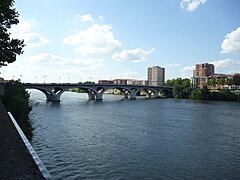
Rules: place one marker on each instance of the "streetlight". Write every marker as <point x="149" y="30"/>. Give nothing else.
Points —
<point x="44" y="79"/>
<point x="68" y="79"/>
<point x="36" y="79"/>
<point x="59" y="79"/>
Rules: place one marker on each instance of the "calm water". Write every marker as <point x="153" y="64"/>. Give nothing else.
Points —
<point x="138" y="139"/>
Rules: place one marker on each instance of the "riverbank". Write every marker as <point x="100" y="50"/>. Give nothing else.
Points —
<point x="16" y="161"/>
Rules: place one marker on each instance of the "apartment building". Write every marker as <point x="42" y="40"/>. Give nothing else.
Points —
<point x="156" y="76"/>
<point x="201" y="74"/>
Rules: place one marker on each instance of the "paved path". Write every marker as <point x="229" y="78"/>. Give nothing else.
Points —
<point x="15" y="160"/>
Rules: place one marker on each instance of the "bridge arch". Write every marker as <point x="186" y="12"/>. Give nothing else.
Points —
<point x="167" y="93"/>
<point x="125" y="91"/>
<point x="149" y="92"/>
<point x="52" y="94"/>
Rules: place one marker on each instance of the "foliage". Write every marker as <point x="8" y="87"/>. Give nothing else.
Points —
<point x="195" y="94"/>
<point x="205" y="94"/>
<point x="9" y="47"/>
<point x="229" y="82"/>
<point x="78" y="90"/>
<point x="212" y="82"/>
<point x="16" y="100"/>
<point x="181" y="87"/>
<point x="89" y="82"/>
<point x="170" y="82"/>
<point x="221" y="81"/>
<point x="236" y="80"/>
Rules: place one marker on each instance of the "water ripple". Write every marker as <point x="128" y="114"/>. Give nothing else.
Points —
<point x="152" y="139"/>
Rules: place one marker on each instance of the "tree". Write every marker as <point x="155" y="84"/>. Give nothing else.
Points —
<point x="16" y="100"/>
<point x="230" y="82"/>
<point x="9" y="47"/>
<point x="221" y="81"/>
<point x="181" y="88"/>
<point x="170" y="82"/>
<point x="236" y="80"/>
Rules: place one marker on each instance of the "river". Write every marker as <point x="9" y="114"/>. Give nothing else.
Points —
<point x="136" y="139"/>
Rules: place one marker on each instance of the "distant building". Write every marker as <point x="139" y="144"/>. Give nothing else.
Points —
<point x="201" y="74"/>
<point x="124" y="81"/>
<point x="137" y="82"/>
<point x="156" y="76"/>
<point x="203" y="70"/>
<point x="105" y="82"/>
<point x="120" y="81"/>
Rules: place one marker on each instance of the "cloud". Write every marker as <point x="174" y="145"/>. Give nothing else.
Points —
<point x="32" y="39"/>
<point x="134" y="55"/>
<point x="52" y="66"/>
<point x="191" y="5"/>
<point x="51" y="60"/>
<point x="85" y="18"/>
<point x="24" y="26"/>
<point x="23" y="30"/>
<point x="225" y="63"/>
<point x="187" y="71"/>
<point x="96" y="40"/>
<point x="231" y="43"/>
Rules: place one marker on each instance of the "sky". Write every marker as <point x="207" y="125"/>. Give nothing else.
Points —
<point x="87" y="40"/>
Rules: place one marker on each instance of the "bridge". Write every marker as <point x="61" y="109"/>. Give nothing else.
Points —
<point x="54" y="91"/>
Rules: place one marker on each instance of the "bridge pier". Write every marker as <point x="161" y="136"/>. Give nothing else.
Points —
<point x="99" y="97"/>
<point x="56" y="98"/>
<point x="132" y="96"/>
<point x="91" y="96"/>
<point x="52" y="96"/>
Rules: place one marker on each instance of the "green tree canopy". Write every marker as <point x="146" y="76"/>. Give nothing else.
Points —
<point x="16" y="100"/>
<point x="9" y="47"/>
<point x="181" y="87"/>
<point x="236" y="80"/>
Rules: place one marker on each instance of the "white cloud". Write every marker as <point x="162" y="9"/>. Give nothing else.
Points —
<point x="100" y="17"/>
<point x="24" y="26"/>
<point x="191" y="5"/>
<point x="133" y="55"/>
<point x="225" y="63"/>
<point x="231" y="43"/>
<point x="53" y="67"/>
<point x="51" y="59"/>
<point x="96" y="40"/>
<point x="85" y="18"/>
<point x="23" y="30"/>
<point x="32" y="39"/>
<point x="187" y="71"/>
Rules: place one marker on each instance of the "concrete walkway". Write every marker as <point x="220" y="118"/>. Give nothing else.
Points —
<point x="15" y="160"/>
